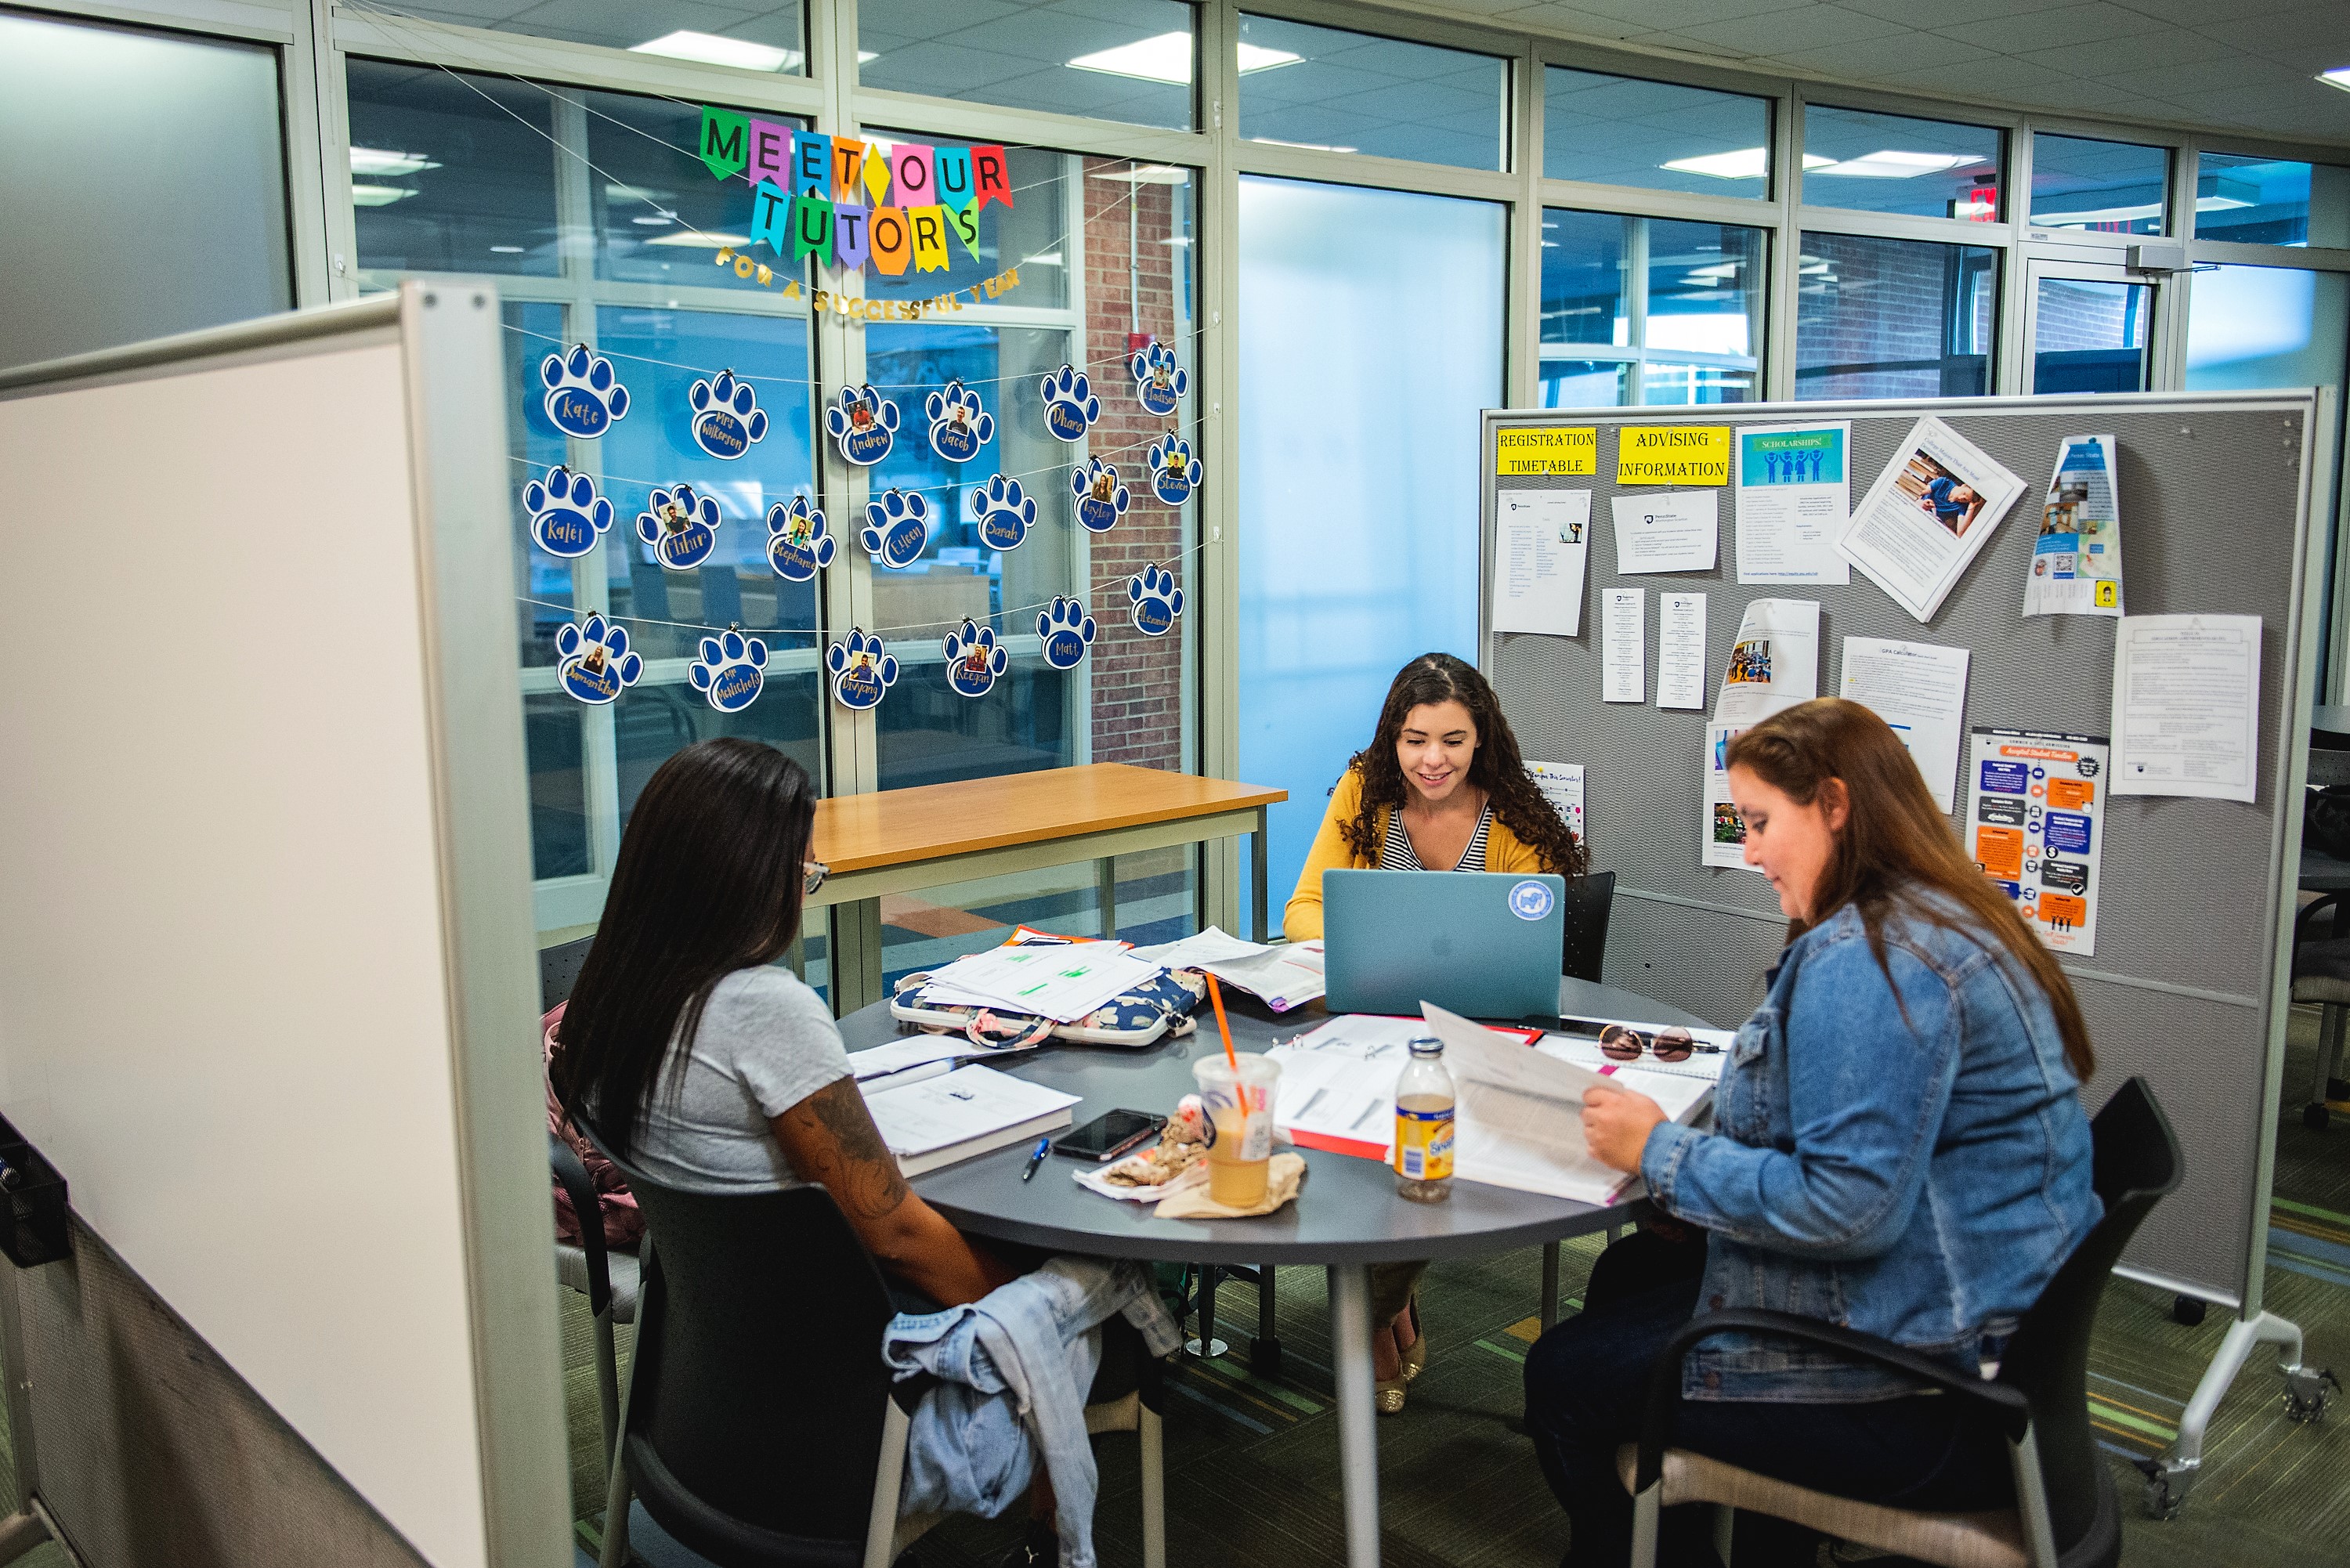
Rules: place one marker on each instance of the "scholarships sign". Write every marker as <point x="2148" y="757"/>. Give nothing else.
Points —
<point x="1672" y="454"/>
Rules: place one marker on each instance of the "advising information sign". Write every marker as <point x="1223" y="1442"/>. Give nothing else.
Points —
<point x="1672" y="454"/>
<point x="2036" y="825"/>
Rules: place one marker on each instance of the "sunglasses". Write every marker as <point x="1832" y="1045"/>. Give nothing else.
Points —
<point x="816" y="871"/>
<point x="1622" y="1042"/>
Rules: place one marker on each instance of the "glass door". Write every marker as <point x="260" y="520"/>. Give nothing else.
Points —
<point x="2087" y="327"/>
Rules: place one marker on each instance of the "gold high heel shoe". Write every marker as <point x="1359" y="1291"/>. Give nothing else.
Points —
<point x="1387" y="1395"/>
<point x="1416" y="1356"/>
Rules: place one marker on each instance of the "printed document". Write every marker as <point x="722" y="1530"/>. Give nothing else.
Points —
<point x="1794" y="499"/>
<point x="1337" y="1082"/>
<point x="2186" y="705"/>
<point x="2077" y="561"/>
<point x="1929" y="512"/>
<point x="2036" y="825"/>
<point x="1774" y="664"/>
<point x="1063" y="982"/>
<point x="1562" y="785"/>
<point x="1623" y="672"/>
<point x="1680" y="650"/>
<point x="1674" y="532"/>
<point x="1285" y="976"/>
<point x="969" y="1111"/>
<point x="1541" y="539"/>
<point x="1919" y="688"/>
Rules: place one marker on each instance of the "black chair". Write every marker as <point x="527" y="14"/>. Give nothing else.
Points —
<point x="2067" y="1515"/>
<point x="1264" y="1351"/>
<point x="612" y="1281"/>
<point x="762" y="1428"/>
<point x="2321" y="974"/>
<point x="1588" y="902"/>
<point x="559" y="969"/>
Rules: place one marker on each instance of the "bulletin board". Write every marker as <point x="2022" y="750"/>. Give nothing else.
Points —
<point x="2189" y="984"/>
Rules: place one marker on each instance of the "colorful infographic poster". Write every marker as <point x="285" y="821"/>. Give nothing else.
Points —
<point x="2036" y="825"/>
<point x="2077" y="561"/>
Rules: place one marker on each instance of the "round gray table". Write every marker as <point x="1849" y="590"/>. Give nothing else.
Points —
<point x="1347" y="1218"/>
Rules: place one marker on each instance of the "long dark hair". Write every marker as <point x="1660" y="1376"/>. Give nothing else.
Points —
<point x="708" y="881"/>
<point x="1896" y="840"/>
<point x="1494" y="768"/>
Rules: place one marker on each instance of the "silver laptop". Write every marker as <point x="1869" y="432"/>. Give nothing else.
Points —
<point x="1484" y="944"/>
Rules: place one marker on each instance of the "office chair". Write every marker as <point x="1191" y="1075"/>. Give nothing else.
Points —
<point x="1265" y="1350"/>
<point x="2067" y="1515"/>
<point x="1588" y="902"/>
<point x="611" y="1281"/>
<point x="2321" y="974"/>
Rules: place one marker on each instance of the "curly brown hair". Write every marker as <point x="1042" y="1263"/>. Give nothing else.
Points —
<point x="1494" y="768"/>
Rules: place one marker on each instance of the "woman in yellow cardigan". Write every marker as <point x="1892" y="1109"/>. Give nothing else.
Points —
<point x="1442" y="787"/>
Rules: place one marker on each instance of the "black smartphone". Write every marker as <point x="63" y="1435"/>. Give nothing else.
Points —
<point x="1105" y="1137"/>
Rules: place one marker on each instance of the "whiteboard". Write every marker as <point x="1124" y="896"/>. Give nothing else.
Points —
<point x="229" y="1006"/>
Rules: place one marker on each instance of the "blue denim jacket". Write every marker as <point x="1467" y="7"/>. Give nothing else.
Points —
<point x="1920" y="1180"/>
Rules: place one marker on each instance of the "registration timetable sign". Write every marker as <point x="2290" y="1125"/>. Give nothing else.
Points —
<point x="2036" y="825"/>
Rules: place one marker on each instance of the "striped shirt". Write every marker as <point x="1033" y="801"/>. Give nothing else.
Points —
<point x="1396" y="852"/>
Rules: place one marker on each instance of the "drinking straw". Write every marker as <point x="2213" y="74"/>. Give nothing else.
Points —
<point x="1216" y="995"/>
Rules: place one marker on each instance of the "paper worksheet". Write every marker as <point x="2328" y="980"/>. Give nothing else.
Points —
<point x="1623" y="672"/>
<point x="2186" y="705"/>
<point x="1541" y="540"/>
<point x="1676" y="531"/>
<point x="2036" y="825"/>
<point x="1921" y="689"/>
<point x="1929" y="512"/>
<point x="1063" y="982"/>
<point x="1680" y="650"/>
<point x="2076" y="560"/>
<point x="1561" y="784"/>
<point x="1794" y="498"/>
<point x="1337" y="1082"/>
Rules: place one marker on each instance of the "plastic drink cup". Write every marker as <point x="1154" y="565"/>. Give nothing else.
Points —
<point x="1239" y="1113"/>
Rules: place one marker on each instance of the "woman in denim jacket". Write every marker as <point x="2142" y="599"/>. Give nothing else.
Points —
<point x="1898" y="1148"/>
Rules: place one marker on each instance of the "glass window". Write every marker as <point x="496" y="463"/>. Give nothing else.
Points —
<point x="2255" y="327"/>
<point x="752" y="38"/>
<point x="1621" y="130"/>
<point x="1352" y="92"/>
<point x="658" y="215"/>
<point x="1894" y="319"/>
<point x="2105" y="187"/>
<point x="1112" y="60"/>
<point x="1347" y="436"/>
<point x="2089" y="335"/>
<point x="1892" y="163"/>
<point x="1650" y="310"/>
<point x="186" y="149"/>
<point x="2267" y="201"/>
<point x="451" y="173"/>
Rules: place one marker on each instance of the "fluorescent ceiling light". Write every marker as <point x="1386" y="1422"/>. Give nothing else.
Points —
<point x="1144" y="174"/>
<point x="865" y="56"/>
<point x="2090" y="216"/>
<point x="2339" y="77"/>
<point x="636" y="193"/>
<point x="1303" y="146"/>
<point x="2218" y="204"/>
<point x="1050" y="258"/>
<point x="652" y="223"/>
<point x="505" y="250"/>
<point x="377" y="196"/>
<point x="1168" y="58"/>
<point x="1892" y="165"/>
<point x="376" y="161"/>
<point x="694" y="239"/>
<point x="712" y="50"/>
<point x="1746" y="163"/>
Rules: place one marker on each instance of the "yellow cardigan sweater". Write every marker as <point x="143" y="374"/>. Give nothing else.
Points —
<point x="1302" y="920"/>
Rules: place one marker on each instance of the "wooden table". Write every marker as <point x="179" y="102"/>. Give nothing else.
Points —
<point x="896" y="840"/>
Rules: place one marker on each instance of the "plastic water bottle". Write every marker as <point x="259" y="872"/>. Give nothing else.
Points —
<point x="1423" y="1136"/>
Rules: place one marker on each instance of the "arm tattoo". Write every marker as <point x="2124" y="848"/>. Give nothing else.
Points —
<point x="854" y="1163"/>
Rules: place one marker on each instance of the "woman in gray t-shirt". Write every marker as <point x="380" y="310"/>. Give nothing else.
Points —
<point x="704" y="1065"/>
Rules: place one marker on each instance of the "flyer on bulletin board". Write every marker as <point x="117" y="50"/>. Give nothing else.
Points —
<point x="2035" y="824"/>
<point x="2076" y="559"/>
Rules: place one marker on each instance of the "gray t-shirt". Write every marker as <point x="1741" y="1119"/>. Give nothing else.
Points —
<point x="767" y="1043"/>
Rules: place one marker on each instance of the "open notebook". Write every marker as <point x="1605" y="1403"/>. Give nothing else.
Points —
<point x="937" y="1121"/>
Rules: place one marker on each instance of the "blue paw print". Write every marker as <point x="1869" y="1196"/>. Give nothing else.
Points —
<point x="727" y="419"/>
<point x="681" y="525"/>
<point x="798" y="544"/>
<point x="731" y="671"/>
<point x="896" y="526"/>
<point x="863" y="424"/>
<point x="1005" y="511"/>
<point x="1174" y="472"/>
<point x="593" y="661"/>
<point x="973" y="659"/>
<point x="583" y="396"/>
<point x="1068" y="631"/>
<point x="1156" y="600"/>
<point x="862" y="669"/>
<point x="958" y="427"/>
<point x="1070" y="406"/>
<point x="1101" y="499"/>
<point x="1160" y="381"/>
<point x="567" y="515"/>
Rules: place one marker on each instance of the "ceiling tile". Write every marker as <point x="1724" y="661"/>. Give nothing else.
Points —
<point x="1877" y="58"/>
<point x="1945" y="13"/>
<point x="2113" y="56"/>
<point x="2094" y="23"/>
<point x="1815" y="27"/>
<point x="1574" y="19"/>
<point x="1689" y="16"/>
<point x="2219" y="73"/>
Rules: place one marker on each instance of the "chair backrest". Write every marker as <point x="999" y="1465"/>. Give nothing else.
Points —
<point x="756" y="1400"/>
<point x="559" y="969"/>
<point x="1587" y="903"/>
<point x="2137" y="1163"/>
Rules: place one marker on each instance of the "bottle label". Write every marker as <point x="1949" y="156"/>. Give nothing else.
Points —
<point x="1424" y="1144"/>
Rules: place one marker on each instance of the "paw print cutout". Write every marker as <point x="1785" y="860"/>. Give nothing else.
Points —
<point x="896" y="526"/>
<point x="863" y="424"/>
<point x="593" y="662"/>
<point x="862" y="669"/>
<point x="583" y="394"/>
<point x="1070" y="406"/>
<point x="1101" y="499"/>
<point x="727" y="419"/>
<point x="1005" y="511"/>
<point x="731" y="671"/>
<point x="798" y="543"/>
<point x="1068" y="631"/>
<point x="1174" y="472"/>
<point x="682" y="525"/>
<point x="974" y="659"/>
<point x="567" y="515"/>
<point x="959" y="426"/>
<point x="1156" y="600"/>
<point x="1158" y="380"/>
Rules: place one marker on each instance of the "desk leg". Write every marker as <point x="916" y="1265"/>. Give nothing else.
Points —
<point x="1257" y="855"/>
<point x="1105" y="895"/>
<point x="1550" y="1283"/>
<point x="1358" y="1451"/>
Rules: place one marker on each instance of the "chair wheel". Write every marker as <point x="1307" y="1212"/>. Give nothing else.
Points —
<point x="2337" y="1088"/>
<point x="2188" y="1310"/>
<point x="2316" y="1119"/>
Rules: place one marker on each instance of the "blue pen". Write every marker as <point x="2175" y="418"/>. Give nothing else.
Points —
<point x="1036" y="1157"/>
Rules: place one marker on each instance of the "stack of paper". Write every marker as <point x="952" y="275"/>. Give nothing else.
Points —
<point x="922" y="1049"/>
<point x="1285" y="976"/>
<point x="935" y="1122"/>
<point x="1063" y="982"/>
<point x="1337" y="1083"/>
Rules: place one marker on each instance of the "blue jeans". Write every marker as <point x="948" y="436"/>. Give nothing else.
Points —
<point x="1587" y="1382"/>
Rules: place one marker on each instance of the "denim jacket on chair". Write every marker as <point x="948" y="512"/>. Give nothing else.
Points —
<point x="1919" y="1179"/>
